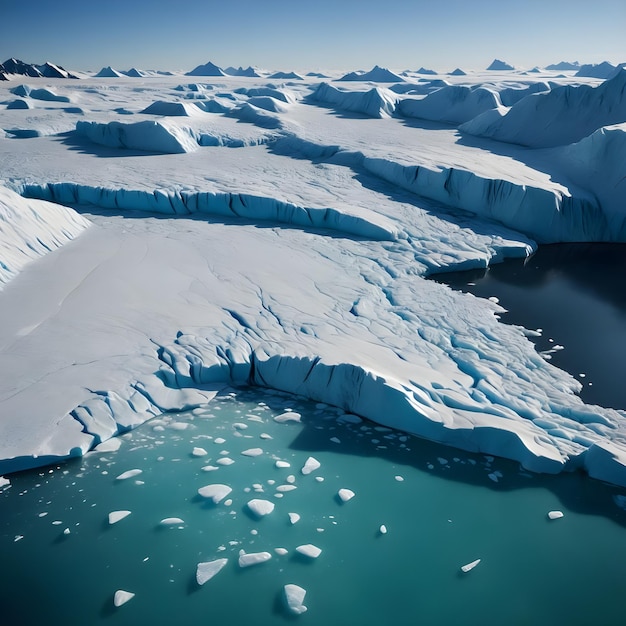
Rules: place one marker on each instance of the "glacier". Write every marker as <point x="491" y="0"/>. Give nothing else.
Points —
<point x="280" y="235"/>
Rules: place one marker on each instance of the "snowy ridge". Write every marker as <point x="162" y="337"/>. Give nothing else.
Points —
<point x="366" y="224"/>
<point x="561" y="116"/>
<point x="455" y="104"/>
<point x="29" y="230"/>
<point x="376" y="102"/>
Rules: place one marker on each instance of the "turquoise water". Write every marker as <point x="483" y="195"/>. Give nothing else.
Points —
<point x="445" y="512"/>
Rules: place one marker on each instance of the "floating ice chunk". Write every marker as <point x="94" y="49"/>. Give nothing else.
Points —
<point x="178" y="426"/>
<point x="18" y="538"/>
<point x="116" y="516"/>
<point x="289" y="416"/>
<point x="294" y="598"/>
<point x="129" y="474"/>
<point x="335" y="439"/>
<point x="43" y="514"/>
<point x="66" y="531"/>
<point x="383" y="529"/>
<point x="493" y="476"/>
<point x="228" y="502"/>
<point x="122" y="597"/>
<point x="205" y="571"/>
<point x="57" y="522"/>
<point x="172" y="521"/>
<point x="442" y="461"/>
<point x="265" y="436"/>
<point x="225" y="460"/>
<point x="260" y="507"/>
<point x="291" y="479"/>
<point x="555" y="514"/>
<point x="294" y="518"/>
<point x="308" y="549"/>
<point x="281" y="551"/>
<point x="350" y="418"/>
<point x="470" y="566"/>
<point x="240" y="426"/>
<point x="345" y="494"/>
<point x="216" y="492"/>
<point x="282" y="464"/>
<point x="253" y="452"/>
<point x="110" y="445"/>
<point x="284" y="488"/>
<point x="399" y="478"/>
<point x="310" y="465"/>
<point x="210" y="468"/>
<point x="319" y="479"/>
<point x="219" y="440"/>
<point x="199" y="452"/>
<point x="253" y="558"/>
<point x="4" y="482"/>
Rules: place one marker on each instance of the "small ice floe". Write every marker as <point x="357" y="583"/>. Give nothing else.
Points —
<point x="289" y="416"/>
<point x="178" y="425"/>
<point x="122" y="597"/>
<point x="383" y="529"/>
<point x="205" y="571"/>
<point x="43" y="514"/>
<point x="319" y="479"/>
<point x="470" y="566"/>
<point x="308" y="549"/>
<point x="285" y="488"/>
<point x="350" y="418"/>
<point x="240" y="426"/>
<point x="291" y="479"/>
<point x="110" y="445"/>
<point x="282" y="464"/>
<point x="335" y="439"/>
<point x="260" y="508"/>
<point x="172" y="521"/>
<point x="219" y="440"/>
<point x="294" y="598"/>
<point x="265" y="436"/>
<point x="310" y="465"/>
<point x="555" y="514"/>
<point x="225" y="460"/>
<point x="493" y="476"/>
<point x="129" y="474"/>
<point x="67" y="531"/>
<point x="399" y="478"/>
<point x="57" y="522"/>
<point x="442" y="461"/>
<point x="209" y="468"/>
<point x="18" y="538"/>
<point x="253" y="558"/>
<point x="345" y="494"/>
<point x="252" y="452"/>
<point x="294" y="518"/>
<point x="4" y="483"/>
<point x="116" y="516"/>
<point x="216" y="492"/>
<point x="199" y="452"/>
<point x="281" y="551"/>
<point x="228" y="502"/>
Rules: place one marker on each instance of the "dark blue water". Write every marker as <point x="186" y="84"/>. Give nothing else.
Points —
<point x="576" y="293"/>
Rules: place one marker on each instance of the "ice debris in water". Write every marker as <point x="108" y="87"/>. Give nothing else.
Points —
<point x="281" y="551"/>
<point x="555" y="514"/>
<point x="260" y="507"/>
<point x="308" y="549"/>
<point x="110" y="445"/>
<point x="67" y="531"/>
<point x="171" y="521"/>
<point x="470" y="566"/>
<point x="294" y="598"/>
<point x="225" y="460"/>
<point x="122" y="597"/>
<point x="345" y="494"/>
<point x="289" y="416"/>
<point x="294" y="518"/>
<point x="219" y="440"/>
<point x="129" y="474"/>
<point x="216" y="492"/>
<point x="116" y="516"/>
<point x="205" y="571"/>
<point x="199" y="452"/>
<point x="252" y="452"/>
<point x="253" y="558"/>
<point x="310" y="465"/>
<point x="383" y="529"/>
<point x="282" y="464"/>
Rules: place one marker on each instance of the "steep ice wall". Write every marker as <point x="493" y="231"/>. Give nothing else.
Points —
<point x="350" y="221"/>
<point x="455" y="104"/>
<point x="561" y="116"/>
<point x="374" y="103"/>
<point x="29" y="230"/>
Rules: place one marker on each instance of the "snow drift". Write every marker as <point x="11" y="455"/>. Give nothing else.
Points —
<point x="374" y="103"/>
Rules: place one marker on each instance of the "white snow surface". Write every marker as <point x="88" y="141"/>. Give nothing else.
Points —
<point x="293" y="259"/>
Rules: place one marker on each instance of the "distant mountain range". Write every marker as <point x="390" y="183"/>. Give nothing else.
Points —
<point x="47" y="70"/>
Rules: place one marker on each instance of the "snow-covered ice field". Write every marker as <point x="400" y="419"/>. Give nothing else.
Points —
<point x="279" y="233"/>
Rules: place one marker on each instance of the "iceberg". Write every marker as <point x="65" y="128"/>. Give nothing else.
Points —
<point x="206" y="570"/>
<point x="216" y="492"/>
<point x="294" y="598"/>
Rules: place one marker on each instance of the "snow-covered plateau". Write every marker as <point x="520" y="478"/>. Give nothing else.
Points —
<point x="162" y="236"/>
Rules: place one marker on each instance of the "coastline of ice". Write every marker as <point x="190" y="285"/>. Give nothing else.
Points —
<point x="353" y="325"/>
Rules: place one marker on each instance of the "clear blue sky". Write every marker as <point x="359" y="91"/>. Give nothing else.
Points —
<point x="311" y="34"/>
